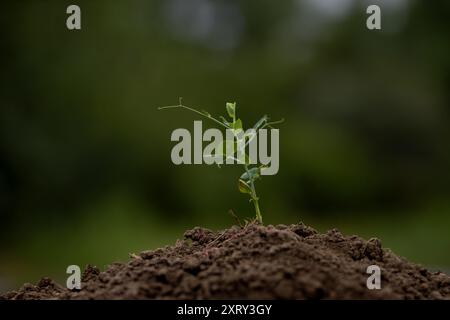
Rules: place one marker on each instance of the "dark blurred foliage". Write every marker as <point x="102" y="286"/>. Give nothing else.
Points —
<point x="366" y="137"/>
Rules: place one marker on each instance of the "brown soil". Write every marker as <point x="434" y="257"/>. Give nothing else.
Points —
<point x="254" y="262"/>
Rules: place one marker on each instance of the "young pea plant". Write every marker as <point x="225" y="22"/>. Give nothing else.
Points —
<point x="246" y="182"/>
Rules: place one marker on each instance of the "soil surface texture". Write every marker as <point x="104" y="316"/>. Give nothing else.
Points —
<point x="254" y="262"/>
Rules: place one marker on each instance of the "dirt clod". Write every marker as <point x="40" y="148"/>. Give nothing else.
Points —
<point x="256" y="262"/>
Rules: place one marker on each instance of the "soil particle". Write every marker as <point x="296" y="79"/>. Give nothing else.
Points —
<point x="254" y="262"/>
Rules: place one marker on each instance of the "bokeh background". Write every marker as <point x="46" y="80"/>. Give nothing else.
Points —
<point x="85" y="169"/>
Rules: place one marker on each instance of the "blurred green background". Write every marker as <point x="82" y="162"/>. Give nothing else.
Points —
<point x="85" y="169"/>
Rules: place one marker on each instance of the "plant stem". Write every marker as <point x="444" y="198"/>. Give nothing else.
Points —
<point x="196" y="111"/>
<point x="254" y="197"/>
<point x="258" y="213"/>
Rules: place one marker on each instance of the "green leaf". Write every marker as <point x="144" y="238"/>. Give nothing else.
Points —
<point x="237" y="124"/>
<point x="231" y="109"/>
<point x="251" y="174"/>
<point x="244" y="187"/>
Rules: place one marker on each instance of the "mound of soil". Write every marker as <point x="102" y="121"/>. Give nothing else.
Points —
<point x="254" y="262"/>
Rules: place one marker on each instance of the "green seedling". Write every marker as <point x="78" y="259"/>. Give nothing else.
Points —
<point x="252" y="173"/>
